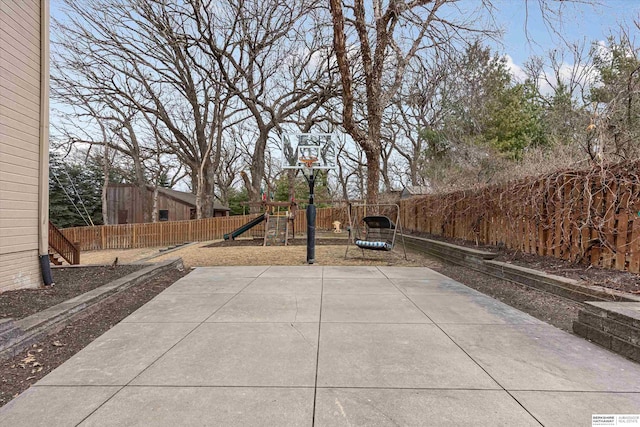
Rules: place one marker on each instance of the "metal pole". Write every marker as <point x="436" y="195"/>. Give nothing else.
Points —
<point x="311" y="220"/>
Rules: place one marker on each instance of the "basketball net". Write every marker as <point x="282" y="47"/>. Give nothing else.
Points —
<point x="308" y="161"/>
<point x="307" y="165"/>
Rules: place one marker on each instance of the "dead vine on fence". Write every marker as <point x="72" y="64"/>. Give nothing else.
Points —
<point x="579" y="215"/>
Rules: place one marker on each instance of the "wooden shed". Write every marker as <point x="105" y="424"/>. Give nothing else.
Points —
<point x="125" y="206"/>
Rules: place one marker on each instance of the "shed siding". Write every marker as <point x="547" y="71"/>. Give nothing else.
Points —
<point x="19" y="143"/>
<point x="127" y="198"/>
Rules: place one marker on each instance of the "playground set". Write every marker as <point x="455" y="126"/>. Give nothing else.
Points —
<point x="278" y="220"/>
<point x="370" y="227"/>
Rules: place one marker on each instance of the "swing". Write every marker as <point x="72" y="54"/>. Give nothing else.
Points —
<point x="380" y="234"/>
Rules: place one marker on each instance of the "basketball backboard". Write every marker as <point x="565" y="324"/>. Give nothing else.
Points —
<point x="308" y="150"/>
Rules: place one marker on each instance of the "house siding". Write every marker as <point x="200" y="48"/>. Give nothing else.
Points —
<point x="19" y="143"/>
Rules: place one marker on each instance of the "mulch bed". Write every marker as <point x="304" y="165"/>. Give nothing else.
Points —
<point x="608" y="278"/>
<point x="20" y="372"/>
<point x="553" y="309"/>
<point x="69" y="282"/>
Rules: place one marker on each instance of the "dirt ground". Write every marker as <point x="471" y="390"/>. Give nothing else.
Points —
<point x="19" y="373"/>
<point x="69" y="282"/>
<point x="248" y="252"/>
<point x="125" y="256"/>
<point x="555" y="310"/>
<point x="608" y="278"/>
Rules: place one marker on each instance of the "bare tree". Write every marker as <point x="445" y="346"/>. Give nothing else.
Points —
<point x="382" y="38"/>
<point x="272" y="56"/>
<point x="142" y="52"/>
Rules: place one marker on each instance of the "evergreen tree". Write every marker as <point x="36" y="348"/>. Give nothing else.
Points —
<point x="75" y="191"/>
<point x="617" y="92"/>
<point x="236" y="198"/>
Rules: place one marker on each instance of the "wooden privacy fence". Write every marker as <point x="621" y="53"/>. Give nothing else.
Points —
<point x="129" y="236"/>
<point x="587" y="216"/>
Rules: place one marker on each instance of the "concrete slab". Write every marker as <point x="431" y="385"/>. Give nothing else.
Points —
<point x="172" y="307"/>
<point x="385" y="407"/>
<point x="567" y="409"/>
<point x="270" y="308"/>
<point x="433" y="287"/>
<point x="470" y="309"/>
<point x="371" y="309"/>
<point x="119" y="355"/>
<point x="389" y="356"/>
<point x="359" y="287"/>
<point x="536" y="357"/>
<point x="284" y="285"/>
<point x="209" y="285"/>
<point x="380" y="360"/>
<point x="240" y="354"/>
<point x="342" y="272"/>
<point x="411" y="273"/>
<point x="54" y="406"/>
<point x="294" y="271"/>
<point x="235" y="271"/>
<point x="183" y="406"/>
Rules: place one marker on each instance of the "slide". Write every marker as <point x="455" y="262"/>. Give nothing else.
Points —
<point x="248" y="226"/>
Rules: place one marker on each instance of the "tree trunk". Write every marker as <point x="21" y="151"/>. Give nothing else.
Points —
<point x="257" y="166"/>
<point x="209" y="187"/>
<point x="105" y="187"/>
<point x="413" y="168"/>
<point x="142" y="189"/>
<point x="291" y="179"/>
<point x="154" y="212"/>
<point x="373" y="175"/>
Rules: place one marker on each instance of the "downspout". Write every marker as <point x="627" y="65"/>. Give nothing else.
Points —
<point x="43" y="191"/>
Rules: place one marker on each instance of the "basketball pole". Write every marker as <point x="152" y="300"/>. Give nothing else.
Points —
<point x="311" y="218"/>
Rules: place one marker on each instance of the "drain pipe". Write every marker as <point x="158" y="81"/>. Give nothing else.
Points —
<point x="43" y="191"/>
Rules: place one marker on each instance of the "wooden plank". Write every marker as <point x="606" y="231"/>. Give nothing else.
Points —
<point x="634" y="243"/>
<point x="611" y="202"/>
<point x="622" y="228"/>
<point x="529" y="242"/>
<point x="557" y="205"/>
<point x="542" y="232"/>
<point x="575" y="218"/>
<point x="596" y="220"/>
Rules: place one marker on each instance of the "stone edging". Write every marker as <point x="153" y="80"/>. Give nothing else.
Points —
<point x="613" y="325"/>
<point x="19" y="334"/>
<point x="168" y="251"/>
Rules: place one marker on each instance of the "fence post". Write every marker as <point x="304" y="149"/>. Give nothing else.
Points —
<point x="134" y="240"/>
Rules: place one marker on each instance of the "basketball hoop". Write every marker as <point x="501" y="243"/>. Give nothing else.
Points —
<point x="308" y="161"/>
<point x="309" y="153"/>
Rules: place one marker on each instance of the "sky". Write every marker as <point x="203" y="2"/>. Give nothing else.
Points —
<point x="527" y="34"/>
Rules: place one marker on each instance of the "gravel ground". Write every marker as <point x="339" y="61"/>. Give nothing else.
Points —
<point x="19" y="373"/>
<point x="69" y="282"/>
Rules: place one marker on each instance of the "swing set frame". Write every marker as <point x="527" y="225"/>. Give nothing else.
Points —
<point x="354" y="226"/>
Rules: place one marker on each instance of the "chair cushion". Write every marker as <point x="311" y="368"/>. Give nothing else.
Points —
<point x="376" y="245"/>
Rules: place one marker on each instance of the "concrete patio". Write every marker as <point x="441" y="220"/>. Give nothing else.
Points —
<point x="324" y="346"/>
